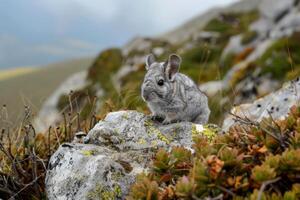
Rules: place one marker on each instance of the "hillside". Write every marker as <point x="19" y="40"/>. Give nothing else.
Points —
<point x="235" y="54"/>
<point x="34" y="87"/>
<point x="19" y="71"/>
<point x="182" y="32"/>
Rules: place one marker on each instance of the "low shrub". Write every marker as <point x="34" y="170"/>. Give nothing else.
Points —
<point x="252" y="160"/>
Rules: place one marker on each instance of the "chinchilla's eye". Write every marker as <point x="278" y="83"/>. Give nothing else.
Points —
<point x="160" y="82"/>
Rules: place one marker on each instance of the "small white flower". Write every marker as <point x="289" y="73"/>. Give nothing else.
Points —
<point x="199" y="128"/>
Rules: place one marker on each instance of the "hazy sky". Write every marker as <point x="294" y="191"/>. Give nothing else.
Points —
<point x="37" y="32"/>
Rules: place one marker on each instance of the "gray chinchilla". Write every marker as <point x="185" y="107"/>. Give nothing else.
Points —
<point x="173" y="96"/>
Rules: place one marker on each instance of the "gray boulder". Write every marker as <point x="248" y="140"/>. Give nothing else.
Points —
<point x="262" y="26"/>
<point x="275" y="9"/>
<point x="115" y="151"/>
<point x="276" y="104"/>
<point x="254" y="86"/>
<point x="288" y="25"/>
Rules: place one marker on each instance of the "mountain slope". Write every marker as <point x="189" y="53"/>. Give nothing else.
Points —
<point x="182" y="32"/>
<point x="235" y="54"/>
<point x="33" y="88"/>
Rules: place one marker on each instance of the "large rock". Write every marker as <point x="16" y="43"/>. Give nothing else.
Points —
<point x="116" y="150"/>
<point x="254" y="86"/>
<point x="276" y="104"/>
<point x="262" y="26"/>
<point x="288" y="25"/>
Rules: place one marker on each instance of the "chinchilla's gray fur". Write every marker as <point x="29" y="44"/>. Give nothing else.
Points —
<point x="173" y="96"/>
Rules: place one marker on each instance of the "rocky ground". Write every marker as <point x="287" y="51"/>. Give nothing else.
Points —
<point x="106" y="162"/>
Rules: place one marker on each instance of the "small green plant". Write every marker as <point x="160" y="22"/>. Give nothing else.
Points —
<point x="252" y="160"/>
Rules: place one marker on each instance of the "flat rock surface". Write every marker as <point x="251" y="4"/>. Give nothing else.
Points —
<point x="276" y="104"/>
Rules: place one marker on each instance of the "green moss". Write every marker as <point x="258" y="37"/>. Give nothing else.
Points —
<point x="206" y="131"/>
<point x="88" y="152"/>
<point x="152" y="130"/>
<point x="211" y="131"/>
<point x="294" y="73"/>
<point x="248" y="37"/>
<point x="104" y="193"/>
<point x="117" y="176"/>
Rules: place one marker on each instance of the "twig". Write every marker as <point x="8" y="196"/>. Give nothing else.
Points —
<point x="42" y="161"/>
<point x="78" y="122"/>
<point x="27" y="185"/>
<point x="264" y="185"/>
<point x="9" y="143"/>
<point x="65" y="125"/>
<point x="225" y="190"/>
<point x="34" y="171"/>
<point x="57" y="137"/>
<point x="92" y="121"/>
<point x="70" y="101"/>
<point x="245" y="120"/>
<point x="272" y="119"/>
<point x="249" y="122"/>
<point x="70" y="126"/>
<point x="49" y="147"/>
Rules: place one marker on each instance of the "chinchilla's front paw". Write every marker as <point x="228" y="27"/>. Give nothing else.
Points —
<point x="157" y="118"/>
<point x="166" y="122"/>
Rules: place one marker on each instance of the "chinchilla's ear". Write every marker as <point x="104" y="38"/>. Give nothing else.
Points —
<point x="149" y="60"/>
<point x="172" y="66"/>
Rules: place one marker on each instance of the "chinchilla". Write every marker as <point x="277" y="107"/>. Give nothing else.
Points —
<point x="172" y="96"/>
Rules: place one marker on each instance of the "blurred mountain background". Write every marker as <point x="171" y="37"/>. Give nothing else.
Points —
<point x="236" y="52"/>
<point x="47" y="41"/>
